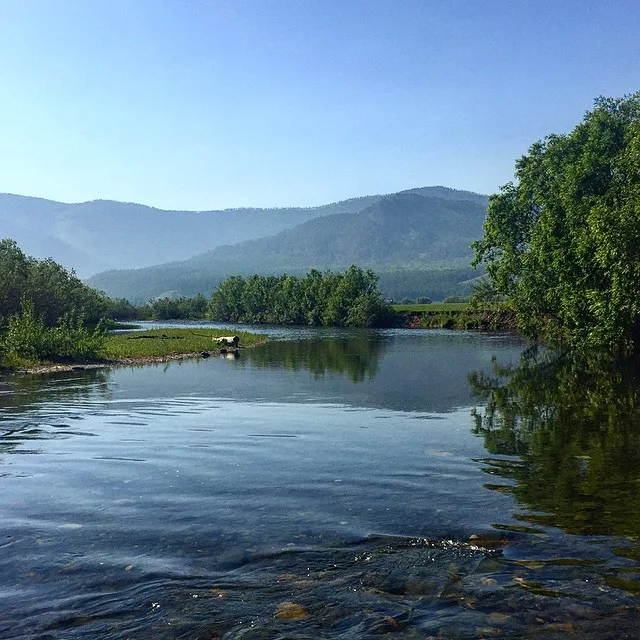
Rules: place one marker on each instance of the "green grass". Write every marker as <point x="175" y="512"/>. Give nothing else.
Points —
<point x="457" y="315"/>
<point x="167" y="342"/>
<point x="435" y="307"/>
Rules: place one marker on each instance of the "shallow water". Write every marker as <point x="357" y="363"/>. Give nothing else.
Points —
<point x="338" y="484"/>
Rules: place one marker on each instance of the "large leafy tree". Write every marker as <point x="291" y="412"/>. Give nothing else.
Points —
<point x="48" y="286"/>
<point x="14" y="276"/>
<point x="563" y="240"/>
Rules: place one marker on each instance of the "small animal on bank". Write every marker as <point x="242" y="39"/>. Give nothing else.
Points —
<point x="228" y="341"/>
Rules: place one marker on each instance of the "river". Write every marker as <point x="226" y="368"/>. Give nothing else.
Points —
<point x="326" y="484"/>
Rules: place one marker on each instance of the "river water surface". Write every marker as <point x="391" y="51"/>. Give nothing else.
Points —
<point x="327" y="484"/>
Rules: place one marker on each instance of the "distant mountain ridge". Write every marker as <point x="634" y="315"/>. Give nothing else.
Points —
<point x="411" y="230"/>
<point x="98" y="235"/>
<point x="398" y="230"/>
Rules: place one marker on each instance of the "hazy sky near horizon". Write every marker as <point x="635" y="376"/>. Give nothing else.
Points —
<point x="206" y="104"/>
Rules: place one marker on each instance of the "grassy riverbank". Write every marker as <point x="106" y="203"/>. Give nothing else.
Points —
<point x="140" y="347"/>
<point x="167" y="342"/>
<point x="456" y="315"/>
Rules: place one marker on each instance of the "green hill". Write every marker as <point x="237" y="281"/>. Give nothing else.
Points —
<point x="408" y="235"/>
<point x="103" y="234"/>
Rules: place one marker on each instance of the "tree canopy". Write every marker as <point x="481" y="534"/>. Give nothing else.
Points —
<point x="44" y="310"/>
<point x="46" y="285"/>
<point x="319" y="299"/>
<point x="562" y="242"/>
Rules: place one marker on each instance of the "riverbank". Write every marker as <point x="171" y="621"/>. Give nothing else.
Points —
<point x="144" y="347"/>
<point x="456" y="315"/>
<point x="106" y="364"/>
<point x="152" y="346"/>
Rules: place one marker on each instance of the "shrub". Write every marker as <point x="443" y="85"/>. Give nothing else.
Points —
<point x="73" y="340"/>
<point x="28" y="338"/>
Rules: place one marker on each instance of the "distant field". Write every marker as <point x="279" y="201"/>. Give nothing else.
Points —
<point x="167" y="342"/>
<point x="436" y="307"/>
<point x="457" y="315"/>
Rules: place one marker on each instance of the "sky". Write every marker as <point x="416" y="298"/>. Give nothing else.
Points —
<point x="209" y="104"/>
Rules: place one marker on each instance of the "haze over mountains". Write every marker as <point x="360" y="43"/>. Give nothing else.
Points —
<point x="103" y="234"/>
<point x="407" y="237"/>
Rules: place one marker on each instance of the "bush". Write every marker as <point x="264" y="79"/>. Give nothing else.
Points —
<point x="28" y="338"/>
<point x="71" y="339"/>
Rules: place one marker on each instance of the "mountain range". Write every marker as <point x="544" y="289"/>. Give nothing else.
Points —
<point x="103" y="234"/>
<point x="416" y="236"/>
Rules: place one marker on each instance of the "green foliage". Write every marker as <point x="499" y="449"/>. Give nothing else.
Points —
<point x="456" y="300"/>
<point x="123" y="310"/>
<point x="45" y="310"/>
<point x="73" y="340"/>
<point x="182" y="308"/>
<point x="166" y="342"/>
<point x="457" y="315"/>
<point x="423" y="300"/>
<point x="563" y="243"/>
<point x="318" y="299"/>
<point x="55" y="292"/>
<point x="14" y="274"/>
<point x="433" y="307"/>
<point x="52" y="290"/>
<point x="29" y="339"/>
<point x="483" y="292"/>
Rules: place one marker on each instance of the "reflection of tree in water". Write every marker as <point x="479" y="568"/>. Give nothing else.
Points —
<point x="576" y="426"/>
<point x="357" y="355"/>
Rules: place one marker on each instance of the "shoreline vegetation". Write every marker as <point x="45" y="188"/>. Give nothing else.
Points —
<point x="138" y="346"/>
<point x="457" y="315"/>
<point x="150" y="347"/>
<point x="561" y="241"/>
<point x="51" y="321"/>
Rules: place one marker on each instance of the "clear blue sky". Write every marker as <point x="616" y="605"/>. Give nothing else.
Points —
<point x="197" y="104"/>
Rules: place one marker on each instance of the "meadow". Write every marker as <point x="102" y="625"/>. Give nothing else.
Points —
<point x="157" y="343"/>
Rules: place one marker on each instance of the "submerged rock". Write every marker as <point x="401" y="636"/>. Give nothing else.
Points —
<point x="290" y="611"/>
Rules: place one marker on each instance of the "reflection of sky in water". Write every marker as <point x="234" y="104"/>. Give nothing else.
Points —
<point x="195" y="497"/>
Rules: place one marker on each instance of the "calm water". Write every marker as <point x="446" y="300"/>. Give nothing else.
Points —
<point x="327" y="484"/>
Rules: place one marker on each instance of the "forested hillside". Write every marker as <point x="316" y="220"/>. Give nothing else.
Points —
<point x="90" y="237"/>
<point x="404" y="229"/>
<point x="412" y="235"/>
<point x="93" y="236"/>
